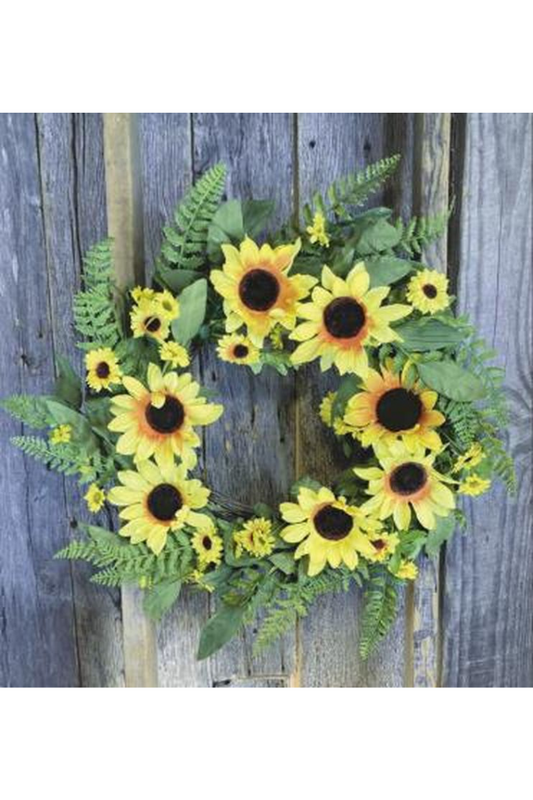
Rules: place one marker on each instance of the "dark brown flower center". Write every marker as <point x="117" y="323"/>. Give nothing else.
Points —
<point x="102" y="369"/>
<point x="379" y="544"/>
<point x="240" y="351"/>
<point x="207" y="543"/>
<point x="429" y="290"/>
<point x="344" y="317"/>
<point x="164" y="501"/>
<point x="408" y="478"/>
<point x="399" y="410"/>
<point x="152" y="324"/>
<point x="259" y="289"/>
<point x="333" y="523"/>
<point x="168" y="418"/>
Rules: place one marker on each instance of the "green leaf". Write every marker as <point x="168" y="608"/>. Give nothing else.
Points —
<point x="176" y="279"/>
<point x="437" y="537"/>
<point x="378" y="237"/>
<point x="193" y="303"/>
<point x="68" y="384"/>
<point x="348" y="386"/>
<point x="255" y="215"/>
<point x="229" y="219"/>
<point x="304" y="481"/>
<point x="284" y="562"/>
<point x="428" y="334"/>
<point x="81" y="430"/>
<point x="220" y="629"/>
<point x="160" y="598"/>
<point x="388" y="269"/>
<point x="452" y="381"/>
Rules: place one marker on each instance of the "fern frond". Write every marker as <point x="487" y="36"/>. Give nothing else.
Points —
<point x="379" y="611"/>
<point x="67" y="458"/>
<point x="28" y="409"/>
<point x="419" y="232"/>
<point x="464" y="419"/>
<point x="352" y="190"/>
<point x="185" y="242"/>
<point x="95" y="313"/>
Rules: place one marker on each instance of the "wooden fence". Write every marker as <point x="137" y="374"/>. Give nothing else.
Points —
<point x="65" y="180"/>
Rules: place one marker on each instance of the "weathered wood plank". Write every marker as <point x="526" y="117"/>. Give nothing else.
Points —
<point x="330" y="145"/>
<point x="73" y="190"/>
<point x="38" y="637"/>
<point x="124" y="214"/>
<point x="165" y="148"/>
<point x="488" y="603"/>
<point x="249" y="452"/>
<point x="432" y="168"/>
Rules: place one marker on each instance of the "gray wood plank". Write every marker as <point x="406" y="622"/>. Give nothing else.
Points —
<point x="165" y="150"/>
<point x="330" y="145"/>
<point x="249" y="453"/>
<point x="38" y="634"/>
<point x="488" y="603"/>
<point x="73" y="189"/>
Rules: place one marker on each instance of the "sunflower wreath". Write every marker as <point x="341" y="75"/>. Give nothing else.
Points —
<point x="418" y="409"/>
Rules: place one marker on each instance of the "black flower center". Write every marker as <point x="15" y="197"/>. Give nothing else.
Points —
<point x="152" y="324"/>
<point x="344" y="317"/>
<point x="399" y="410"/>
<point x="259" y="290"/>
<point x="379" y="544"/>
<point x="240" y="351"/>
<point x="168" y="418"/>
<point x="207" y="543"/>
<point x="429" y="290"/>
<point x="102" y="369"/>
<point x="164" y="501"/>
<point x="333" y="523"/>
<point x="408" y="478"/>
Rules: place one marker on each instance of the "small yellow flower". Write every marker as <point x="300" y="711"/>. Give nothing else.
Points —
<point x="175" y="354"/>
<point x="427" y="291"/>
<point x="474" y="485"/>
<point x="473" y="456"/>
<point x="148" y="318"/>
<point x="384" y="545"/>
<point x="407" y="571"/>
<point x="61" y="434"/>
<point x="340" y="428"/>
<point x="208" y="546"/>
<point x="169" y="305"/>
<point x="102" y="369"/>
<point x="255" y="537"/>
<point x="142" y="293"/>
<point x="95" y="498"/>
<point x="237" y="349"/>
<point x="276" y="337"/>
<point x="317" y="231"/>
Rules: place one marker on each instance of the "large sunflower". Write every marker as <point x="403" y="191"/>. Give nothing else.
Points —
<point x="328" y="529"/>
<point x="387" y="410"/>
<point x="156" y="499"/>
<point x="343" y="317"/>
<point x="160" y="418"/>
<point x="406" y="480"/>
<point x="257" y="289"/>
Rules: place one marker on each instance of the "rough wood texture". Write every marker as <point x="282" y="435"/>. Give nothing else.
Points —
<point x="330" y="145"/>
<point x="125" y="226"/>
<point x="488" y="602"/>
<point x="433" y="132"/>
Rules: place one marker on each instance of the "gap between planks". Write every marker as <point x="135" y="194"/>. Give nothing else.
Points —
<point x="124" y="215"/>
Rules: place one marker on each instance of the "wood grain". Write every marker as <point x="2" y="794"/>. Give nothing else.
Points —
<point x="488" y="601"/>
<point x="330" y="145"/>
<point x="74" y="209"/>
<point x="125" y="226"/>
<point x="38" y="632"/>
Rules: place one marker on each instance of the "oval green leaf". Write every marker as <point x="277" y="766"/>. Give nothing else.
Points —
<point x="428" y="334"/>
<point x="193" y="302"/>
<point x="451" y="380"/>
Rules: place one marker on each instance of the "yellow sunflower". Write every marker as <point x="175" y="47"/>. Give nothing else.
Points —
<point x="168" y="304"/>
<point x="328" y="529"/>
<point x="149" y="318"/>
<point x="257" y="289"/>
<point x="142" y="293"/>
<point x="473" y="456"/>
<point x="255" y="537"/>
<point x="406" y="480"/>
<point x="343" y="317"/>
<point x="384" y="545"/>
<point x="427" y="291"/>
<point x="175" y="354"/>
<point x="160" y="418"/>
<point x="94" y="497"/>
<point x="156" y="499"/>
<point x="61" y="434"/>
<point x="407" y="571"/>
<point x="237" y="349"/>
<point x="208" y="546"/>
<point x="317" y="231"/>
<point x="474" y="485"/>
<point x="326" y="415"/>
<point x="102" y="369"/>
<point x="387" y="410"/>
